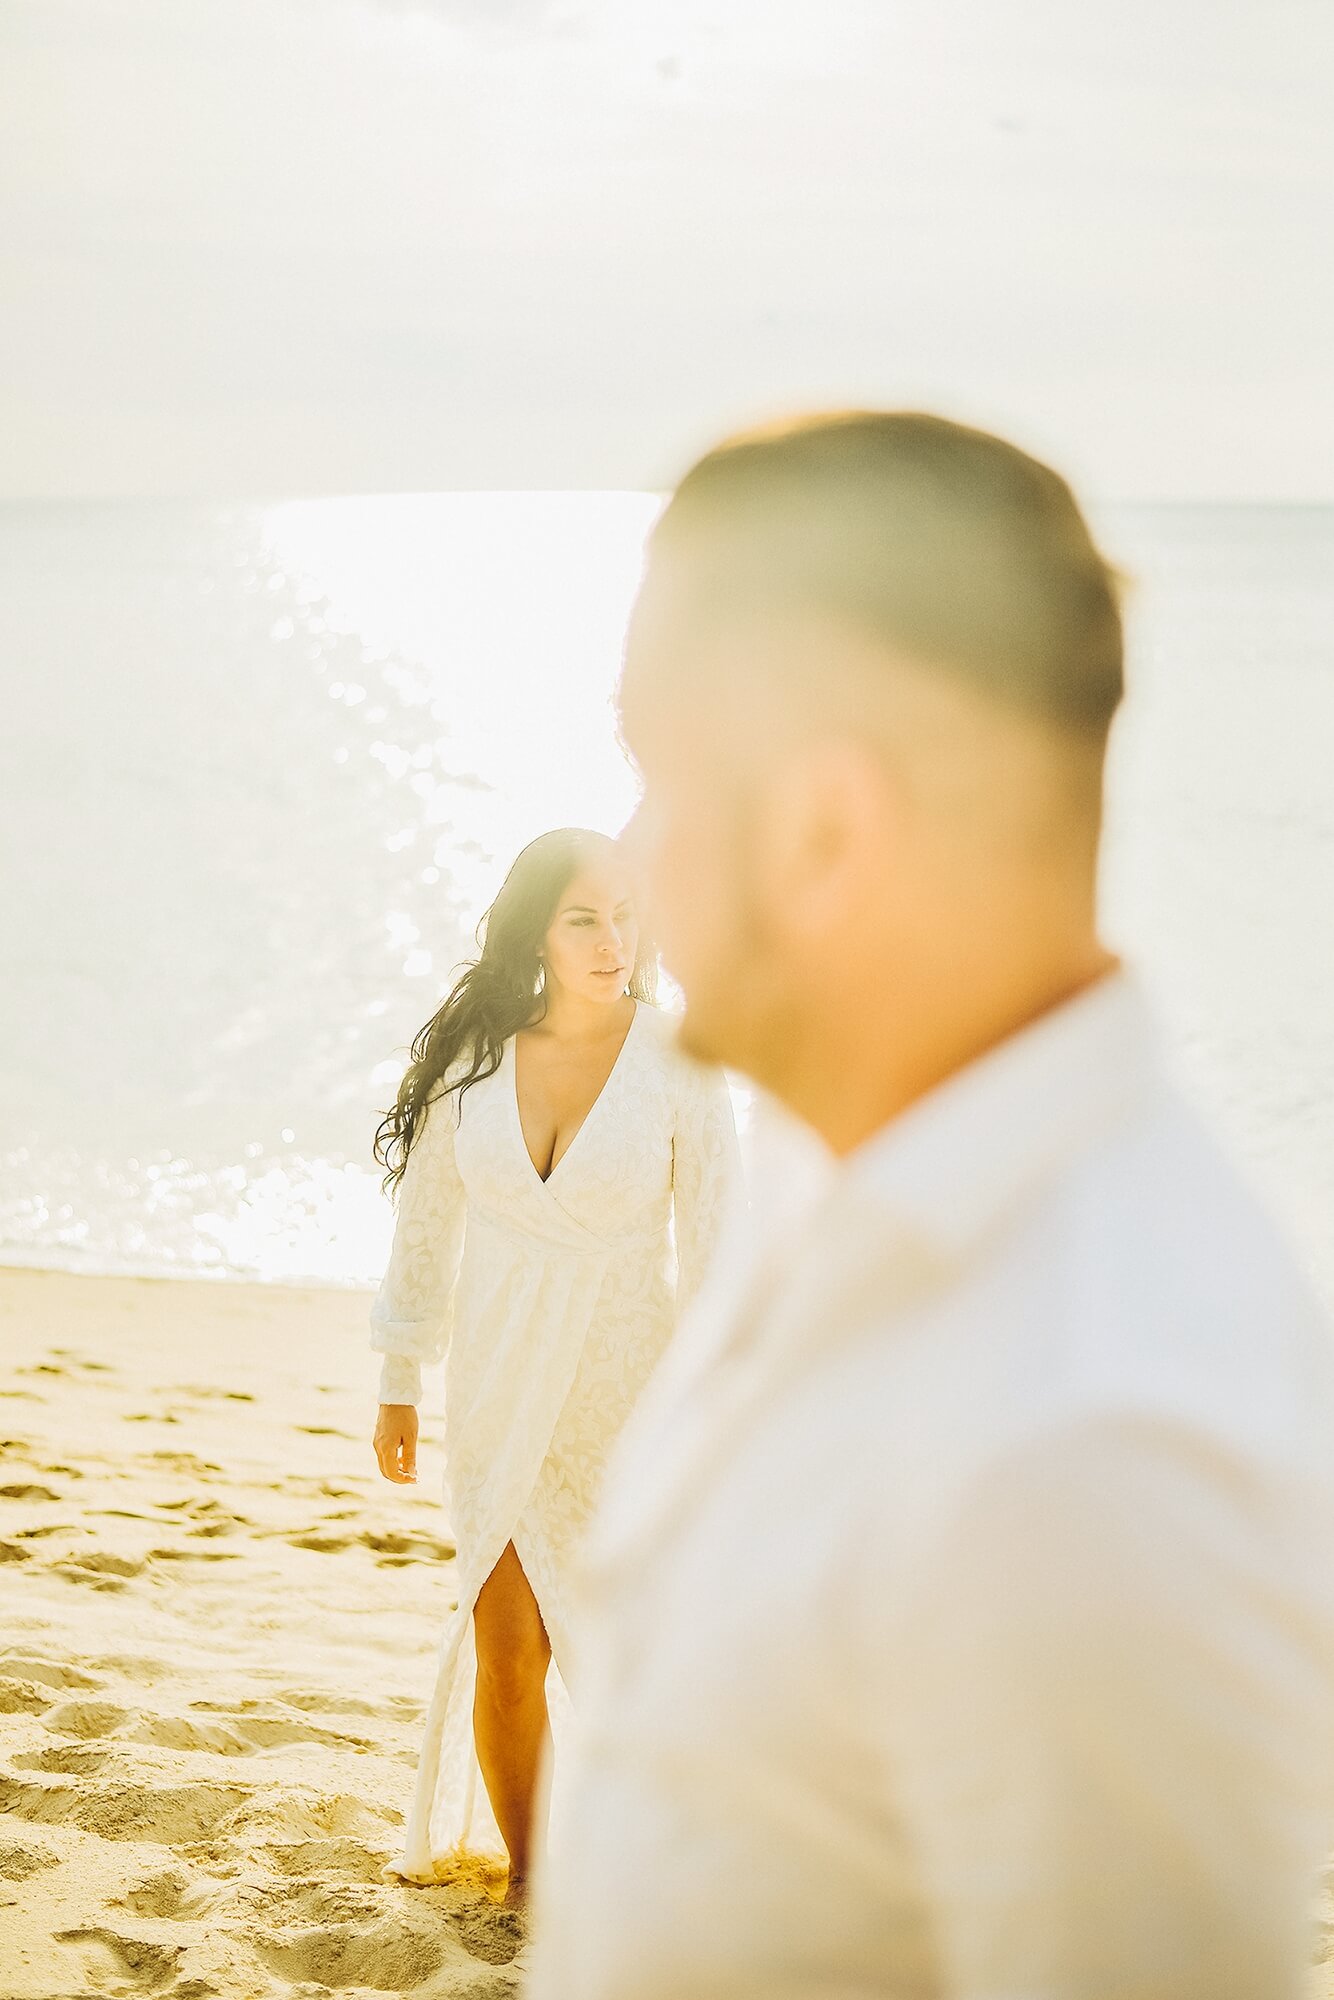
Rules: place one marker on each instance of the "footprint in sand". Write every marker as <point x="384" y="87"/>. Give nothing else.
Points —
<point x="210" y="1392"/>
<point x="28" y="1493"/>
<point x="50" y="1673"/>
<point x="388" y="1956"/>
<point x="111" y="1809"/>
<point x="175" y="1732"/>
<point x="395" y="1548"/>
<point x="320" y="1544"/>
<point x="325" y="1431"/>
<point x="311" y="1900"/>
<point x="279" y="1733"/>
<point x="128" y="1666"/>
<point x="215" y="1519"/>
<point x="410" y="1543"/>
<point x="322" y="1703"/>
<point x="67" y="1760"/>
<point x="18" y="1697"/>
<point x="166" y="1893"/>
<point x="194" y="1555"/>
<point x="87" y="1719"/>
<point x="183" y="1461"/>
<point x="100" y="1569"/>
<point x="108" y="1955"/>
<point x="494" y="1935"/>
<point x="13" y="1552"/>
<point x="237" y="1733"/>
<point x="19" y="1862"/>
<point x="328" y="1860"/>
<point x="32" y="1687"/>
<point x="294" y="1486"/>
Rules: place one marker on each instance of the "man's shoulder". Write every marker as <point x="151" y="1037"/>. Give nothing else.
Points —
<point x="1147" y="1291"/>
<point x="1167" y="1171"/>
<point x="1172" y="1262"/>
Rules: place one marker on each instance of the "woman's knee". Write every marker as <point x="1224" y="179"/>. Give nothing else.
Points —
<point x="512" y="1645"/>
<point x="512" y="1663"/>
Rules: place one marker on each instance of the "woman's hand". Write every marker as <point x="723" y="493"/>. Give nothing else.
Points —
<point x="396" y="1443"/>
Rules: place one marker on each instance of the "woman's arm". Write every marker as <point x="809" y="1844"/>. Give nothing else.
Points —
<point x="411" y="1316"/>
<point x="706" y="1172"/>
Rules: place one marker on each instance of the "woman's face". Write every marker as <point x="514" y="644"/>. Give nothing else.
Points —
<point x="591" y="945"/>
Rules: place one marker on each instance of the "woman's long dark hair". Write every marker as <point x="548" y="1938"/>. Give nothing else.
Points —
<point x="501" y="991"/>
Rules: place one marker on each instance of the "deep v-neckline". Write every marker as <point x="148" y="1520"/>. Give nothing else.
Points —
<point x="544" y="1181"/>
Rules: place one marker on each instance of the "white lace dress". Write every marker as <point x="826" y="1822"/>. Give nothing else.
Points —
<point x="550" y="1301"/>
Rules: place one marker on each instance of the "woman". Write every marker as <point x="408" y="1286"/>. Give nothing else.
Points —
<point x="545" y="1139"/>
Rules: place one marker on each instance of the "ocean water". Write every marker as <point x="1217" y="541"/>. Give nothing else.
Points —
<point x="261" y="769"/>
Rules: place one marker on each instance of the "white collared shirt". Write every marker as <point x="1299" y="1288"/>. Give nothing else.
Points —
<point x="960" y="1616"/>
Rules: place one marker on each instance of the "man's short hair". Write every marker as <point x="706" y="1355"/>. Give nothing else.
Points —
<point x="946" y="544"/>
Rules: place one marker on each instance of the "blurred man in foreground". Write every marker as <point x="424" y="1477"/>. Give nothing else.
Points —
<point x="960" y="1618"/>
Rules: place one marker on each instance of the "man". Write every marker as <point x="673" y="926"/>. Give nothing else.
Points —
<point x="960" y="1619"/>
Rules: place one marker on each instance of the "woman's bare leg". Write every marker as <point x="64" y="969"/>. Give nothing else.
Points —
<point x="510" y="1708"/>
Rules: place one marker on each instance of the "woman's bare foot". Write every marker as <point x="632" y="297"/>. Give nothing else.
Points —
<point x="516" y="1893"/>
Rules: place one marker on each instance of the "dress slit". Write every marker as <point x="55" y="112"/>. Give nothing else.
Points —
<point x="455" y="1690"/>
<point x="523" y="1570"/>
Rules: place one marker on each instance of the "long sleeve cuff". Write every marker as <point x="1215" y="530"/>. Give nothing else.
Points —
<point x="400" y="1379"/>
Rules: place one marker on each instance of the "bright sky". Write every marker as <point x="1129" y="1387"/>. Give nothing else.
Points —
<point x="301" y="246"/>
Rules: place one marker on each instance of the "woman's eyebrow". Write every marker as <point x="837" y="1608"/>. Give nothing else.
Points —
<point x="587" y="910"/>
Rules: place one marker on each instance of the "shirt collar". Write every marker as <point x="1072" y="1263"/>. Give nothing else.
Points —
<point x="957" y="1163"/>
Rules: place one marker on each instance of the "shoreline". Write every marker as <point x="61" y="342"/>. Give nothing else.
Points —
<point x="12" y="1260"/>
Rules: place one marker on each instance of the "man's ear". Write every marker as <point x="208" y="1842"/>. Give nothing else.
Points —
<point x="830" y="814"/>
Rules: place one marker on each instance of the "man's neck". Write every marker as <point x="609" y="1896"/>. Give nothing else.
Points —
<point x="869" y="1066"/>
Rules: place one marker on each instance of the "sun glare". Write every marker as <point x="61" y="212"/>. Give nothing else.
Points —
<point x="507" y="609"/>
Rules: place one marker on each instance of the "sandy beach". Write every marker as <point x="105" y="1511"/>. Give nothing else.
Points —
<point x="218" y="1637"/>
<point x="219" y="1633"/>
